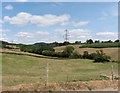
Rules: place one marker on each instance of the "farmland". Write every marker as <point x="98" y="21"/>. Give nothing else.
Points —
<point x="100" y="45"/>
<point x="59" y="46"/>
<point x="112" y="52"/>
<point x="23" y="69"/>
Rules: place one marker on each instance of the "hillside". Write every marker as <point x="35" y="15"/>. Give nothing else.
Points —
<point x="31" y="67"/>
<point x="23" y="69"/>
<point x="112" y="52"/>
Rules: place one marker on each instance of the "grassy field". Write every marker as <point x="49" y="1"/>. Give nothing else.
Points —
<point x="112" y="52"/>
<point x="100" y="45"/>
<point x="23" y="69"/>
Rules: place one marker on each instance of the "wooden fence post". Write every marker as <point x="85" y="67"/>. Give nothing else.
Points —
<point x="112" y="73"/>
<point x="47" y="73"/>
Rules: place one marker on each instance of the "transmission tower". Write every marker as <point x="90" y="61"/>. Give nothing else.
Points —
<point x="66" y="35"/>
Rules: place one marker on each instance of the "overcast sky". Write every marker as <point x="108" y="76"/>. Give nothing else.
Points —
<point x="30" y="22"/>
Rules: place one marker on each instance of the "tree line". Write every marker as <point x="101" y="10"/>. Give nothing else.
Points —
<point x="68" y="52"/>
<point x="3" y="44"/>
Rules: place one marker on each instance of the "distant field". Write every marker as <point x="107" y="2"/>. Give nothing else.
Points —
<point x="23" y="69"/>
<point x="112" y="52"/>
<point x="101" y="45"/>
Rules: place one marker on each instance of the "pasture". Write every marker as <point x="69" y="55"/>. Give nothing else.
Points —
<point x="23" y="69"/>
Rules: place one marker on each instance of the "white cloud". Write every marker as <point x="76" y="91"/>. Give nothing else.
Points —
<point x="82" y="23"/>
<point x="80" y="34"/>
<point x="57" y="35"/>
<point x="73" y="34"/>
<point x="107" y="35"/>
<point x="23" y="18"/>
<point x="26" y="37"/>
<point x="32" y="34"/>
<point x="73" y="23"/>
<point x="3" y="39"/>
<point x="48" y="19"/>
<point x="79" y="31"/>
<point x="84" y="37"/>
<point x="41" y="33"/>
<point x="24" y="34"/>
<point x="9" y="7"/>
<point x="20" y="19"/>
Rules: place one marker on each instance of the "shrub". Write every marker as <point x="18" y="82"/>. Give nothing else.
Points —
<point x="47" y="53"/>
<point x="75" y="55"/>
<point x="85" y="55"/>
<point x="92" y="55"/>
<point x="101" y="57"/>
<point x="68" y="51"/>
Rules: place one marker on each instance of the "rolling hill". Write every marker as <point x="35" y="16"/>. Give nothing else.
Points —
<point x="112" y="52"/>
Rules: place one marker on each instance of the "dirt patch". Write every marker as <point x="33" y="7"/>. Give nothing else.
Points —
<point x="82" y="85"/>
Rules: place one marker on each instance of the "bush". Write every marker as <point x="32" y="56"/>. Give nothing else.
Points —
<point x="92" y="55"/>
<point x="101" y="57"/>
<point x="75" y="55"/>
<point x="85" y="55"/>
<point x="47" y="53"/>
<point x="68" y="51"/>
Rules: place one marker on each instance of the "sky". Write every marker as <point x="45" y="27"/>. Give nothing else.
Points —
<point x="31" y="22"/>
<point x="59" y="0"/>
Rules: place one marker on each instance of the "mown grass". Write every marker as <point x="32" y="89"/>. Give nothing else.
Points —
<point x="23" y="69"/>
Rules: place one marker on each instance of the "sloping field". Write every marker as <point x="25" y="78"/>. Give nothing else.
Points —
<point x="112" y="52"/>
<point x="8" y="51"/>
<point x="23" y="69"/>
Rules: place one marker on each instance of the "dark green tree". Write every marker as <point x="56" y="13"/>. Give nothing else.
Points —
<point x="117" y="40"/>
<point x="90" y="41"/>
<point x="68" y="51"/>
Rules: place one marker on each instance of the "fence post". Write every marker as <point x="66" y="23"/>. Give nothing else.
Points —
<point x="112" y="73"/>
<point x="47" y="73"/>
